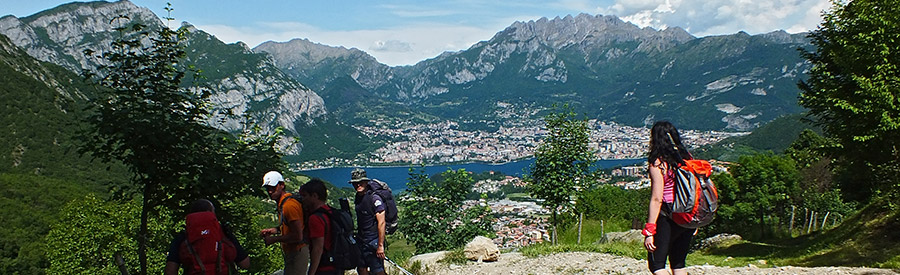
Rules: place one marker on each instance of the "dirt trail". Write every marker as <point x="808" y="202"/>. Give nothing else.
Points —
<point x="600" y="263"/>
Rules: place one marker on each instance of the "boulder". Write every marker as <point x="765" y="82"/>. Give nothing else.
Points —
<point x="720" y="239"/>
<point x="633" y="235"/>
<point x="482" y="249"/>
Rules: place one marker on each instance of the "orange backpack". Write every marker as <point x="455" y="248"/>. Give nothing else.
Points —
<point x="696" y="197"/>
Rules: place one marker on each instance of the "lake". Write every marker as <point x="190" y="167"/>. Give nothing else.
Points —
<point x="397" y="176"/>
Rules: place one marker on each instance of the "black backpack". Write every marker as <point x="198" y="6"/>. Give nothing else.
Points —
<point x="344" y="253"/>
<point x="391" y="219"/>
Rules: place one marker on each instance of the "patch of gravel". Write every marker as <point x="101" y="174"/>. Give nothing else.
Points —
<point x="600" y="263"/>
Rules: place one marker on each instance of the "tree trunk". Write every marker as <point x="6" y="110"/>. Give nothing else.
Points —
<point x="121" y="264"/>
<point x="762" y="224"/>
<point x="554" y="234"/>
<point x="142" y="234"/>
<point x="825" y="219"/>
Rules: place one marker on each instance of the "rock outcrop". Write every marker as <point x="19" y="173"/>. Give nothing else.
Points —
<point x="482" y="249"/>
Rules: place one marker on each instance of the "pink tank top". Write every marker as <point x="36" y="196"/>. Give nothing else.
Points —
<point x="669" y="186"/>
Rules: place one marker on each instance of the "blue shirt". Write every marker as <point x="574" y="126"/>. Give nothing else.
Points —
<point x="367" y="205"/>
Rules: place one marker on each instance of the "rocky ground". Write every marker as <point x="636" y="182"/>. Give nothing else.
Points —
<point x="599" y="263"/>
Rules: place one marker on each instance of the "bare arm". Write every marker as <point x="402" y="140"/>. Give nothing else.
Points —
<point x="656" y="199"/>
<point x="295" y="236"/>
<point x="381" y="234"/>
<point x="245" y="263"/>
<point x="171" y="268"/>
<point x="316" y="248"/>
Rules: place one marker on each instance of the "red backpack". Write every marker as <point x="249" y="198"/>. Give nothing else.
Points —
<point x="205" y="249"/>
<point x="696" y="197"/>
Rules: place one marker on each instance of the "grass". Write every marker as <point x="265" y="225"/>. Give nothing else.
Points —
<point x="867" y="239"/>
<point x="632" y="250"/>
<point x="456" y="256"/>
<point x="399" y="249"/>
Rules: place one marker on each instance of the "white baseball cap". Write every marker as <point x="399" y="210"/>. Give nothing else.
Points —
<point x="272" y="178"/>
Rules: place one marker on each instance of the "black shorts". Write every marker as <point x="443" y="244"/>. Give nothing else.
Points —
<point x="369" y="259"/>
<point x="671" y="241"/>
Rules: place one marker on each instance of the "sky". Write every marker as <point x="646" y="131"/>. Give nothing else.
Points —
<point x="403" y="32"/>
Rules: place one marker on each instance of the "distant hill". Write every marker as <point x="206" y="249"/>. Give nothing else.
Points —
<point x="775" y="136"/>
<point x="40" y="168"/>
<point x="247" y="86"/>
<point x="40" y="113"/>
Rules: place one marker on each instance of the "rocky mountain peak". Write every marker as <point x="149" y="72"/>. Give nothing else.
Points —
<point x="308" y="62"/>
<point x="61" y="34"/>
<point x="246" y="84"/>
<point x="303" y="51"/>
<point x="783" y="37"/>
<point x="585" y="29"/>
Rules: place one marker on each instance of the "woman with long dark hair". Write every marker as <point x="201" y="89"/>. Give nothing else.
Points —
<point x="663" y="237"/>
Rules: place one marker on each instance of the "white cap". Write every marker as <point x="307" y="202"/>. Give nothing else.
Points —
<point x="272" y="178"/>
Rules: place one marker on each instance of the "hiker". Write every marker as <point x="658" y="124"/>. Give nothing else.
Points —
<point x="202" y="239"/>
<point x="370" y="224"/>
<point x="663" y="237"/>
<point x="319" y="235"/>
<point x="290" y="231"/>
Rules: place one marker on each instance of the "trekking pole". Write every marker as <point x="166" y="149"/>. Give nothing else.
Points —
<point x="397" y="265"/>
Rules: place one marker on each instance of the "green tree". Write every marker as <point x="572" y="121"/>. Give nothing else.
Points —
<point x="853" y="91"/>
<point x="766" y="185"/>
<point x="562" y="165"/>
<point x="149" y="120"/>
<point x="92" y="232"/>
<point x="433" y="217"/>
<point x="612" y="202"/>
<point x="811" y="153"/>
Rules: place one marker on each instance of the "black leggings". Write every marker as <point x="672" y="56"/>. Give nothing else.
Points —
<point x="670" y="240"/>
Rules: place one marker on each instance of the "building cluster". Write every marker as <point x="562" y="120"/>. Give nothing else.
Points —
<point x="489" y="185"/>
<point x="519" y="223"/>
<point x="446" y="142"/>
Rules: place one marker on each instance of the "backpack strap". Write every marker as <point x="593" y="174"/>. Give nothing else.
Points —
<point x="220" y="249"/>
<point x="321" y="212"/>
<point x="678" y="152"/>
<point x="196" y="256"/>
<point x="281" y="208"/>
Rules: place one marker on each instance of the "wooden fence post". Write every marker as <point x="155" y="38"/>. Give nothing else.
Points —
<point x="580" y="221"/>
<point x="791" y="228"/>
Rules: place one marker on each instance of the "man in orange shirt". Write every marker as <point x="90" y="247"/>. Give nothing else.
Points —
<point x="290" y="215"/>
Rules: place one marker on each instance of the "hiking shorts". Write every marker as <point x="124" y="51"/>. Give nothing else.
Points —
<point x="369" y="259"/>
<point x="297" y="262"/>
<point x="671" y="240"/>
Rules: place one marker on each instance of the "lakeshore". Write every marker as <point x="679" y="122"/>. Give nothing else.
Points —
<point x="397" y="176"/>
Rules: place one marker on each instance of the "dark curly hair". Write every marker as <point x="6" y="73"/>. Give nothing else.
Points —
<point x="661" y="146"/>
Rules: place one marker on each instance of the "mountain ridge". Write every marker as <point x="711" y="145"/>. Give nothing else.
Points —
<point x="597" y="61"/>
<point x="248" y="87"/>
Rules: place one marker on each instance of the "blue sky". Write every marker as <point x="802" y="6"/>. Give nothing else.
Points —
<point x="404" y="32"/>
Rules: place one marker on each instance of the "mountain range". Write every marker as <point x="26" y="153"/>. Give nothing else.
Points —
<point x="602" y="66"/>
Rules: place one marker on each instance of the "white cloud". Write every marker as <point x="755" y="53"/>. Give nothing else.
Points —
<point x="712" y="17"/>
<point x="391" y="46"/>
